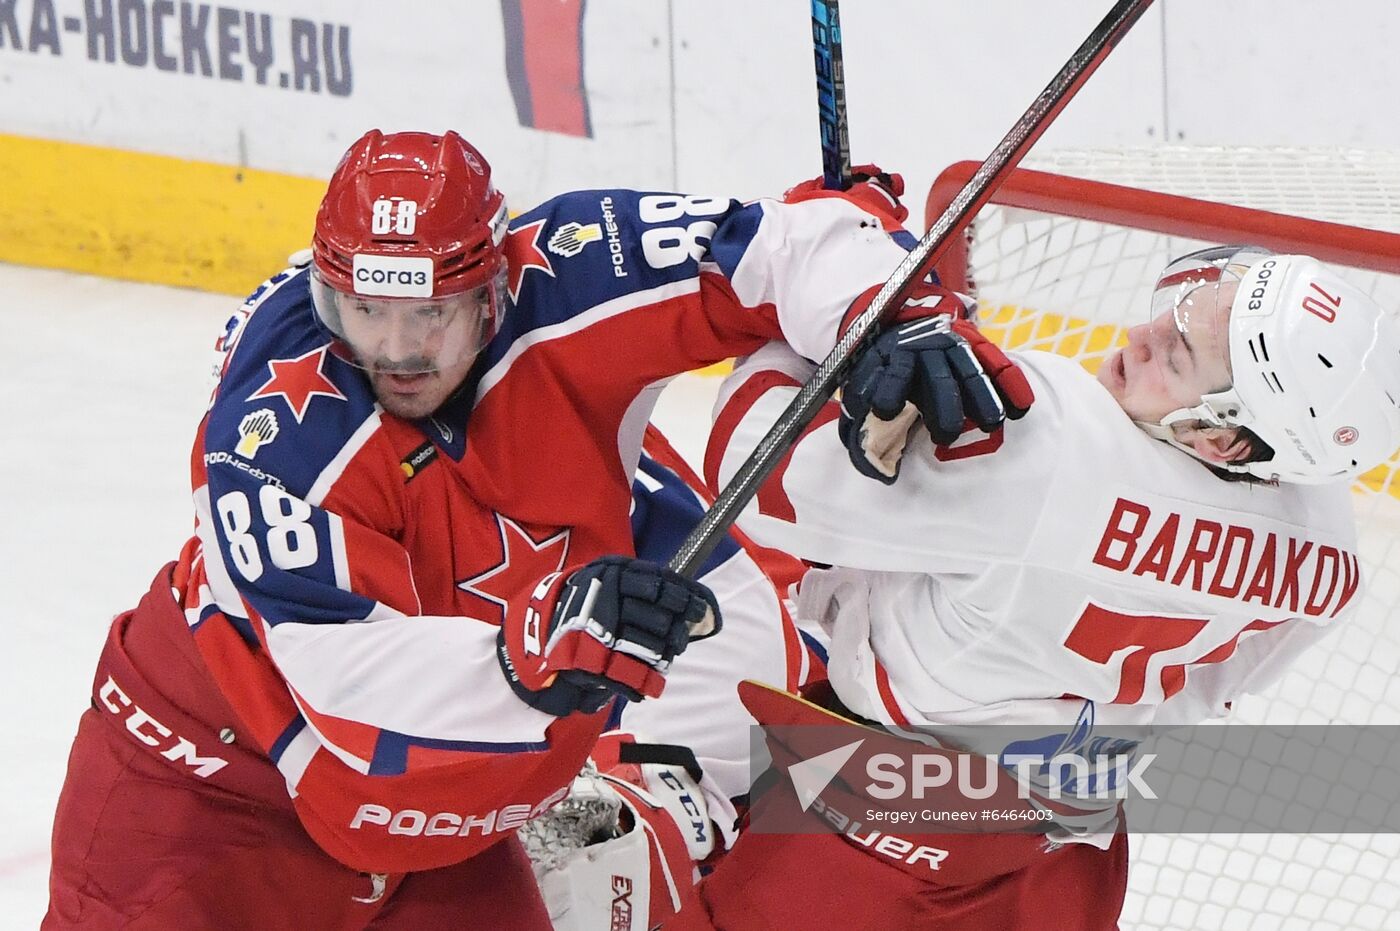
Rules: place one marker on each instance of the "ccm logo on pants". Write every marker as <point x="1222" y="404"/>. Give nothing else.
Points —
<point x="152" y="733"/>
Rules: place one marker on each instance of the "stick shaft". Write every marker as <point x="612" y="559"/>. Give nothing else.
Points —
<point x="822" y="385"/>
<point x="831" y="95"/>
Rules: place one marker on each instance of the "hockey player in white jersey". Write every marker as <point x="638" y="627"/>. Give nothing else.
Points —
<point x="1144" y="547"/>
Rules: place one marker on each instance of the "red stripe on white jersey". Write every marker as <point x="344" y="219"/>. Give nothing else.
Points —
<point x="891" y="704"/>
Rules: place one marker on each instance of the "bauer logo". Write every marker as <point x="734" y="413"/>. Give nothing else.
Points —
<point x="393" y="276"/>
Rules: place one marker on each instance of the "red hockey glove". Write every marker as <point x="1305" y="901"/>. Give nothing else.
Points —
<point x="871" y="187"/>
<point x="611" y="628"/>
<point x="933" y="364"/>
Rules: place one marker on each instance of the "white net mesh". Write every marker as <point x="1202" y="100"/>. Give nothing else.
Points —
<point x="588" y="815"/>
<point x="1055" y="282"/>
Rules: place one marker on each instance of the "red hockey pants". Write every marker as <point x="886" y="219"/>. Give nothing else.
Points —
<point x="818" y="881"/>
<point x="138" y="844"/>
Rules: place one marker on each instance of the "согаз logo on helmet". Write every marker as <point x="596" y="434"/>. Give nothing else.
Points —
<point x="393" y="275"/>
<point x="380" y="276"/>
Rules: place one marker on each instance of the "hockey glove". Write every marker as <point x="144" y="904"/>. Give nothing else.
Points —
<point x="614" y="839"/>
<point x="932" y="364"/>
<point x="871" y="187"/>
<point x="611" y="628"/>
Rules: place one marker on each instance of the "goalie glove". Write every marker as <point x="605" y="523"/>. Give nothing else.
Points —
<point x="670" y="777"/>
<point x="932" y="364"/>
<point x="611" y="628"/>
<point x="619" y="852"/>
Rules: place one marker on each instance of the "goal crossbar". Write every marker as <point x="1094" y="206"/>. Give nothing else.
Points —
<point x="1169" y="214"/>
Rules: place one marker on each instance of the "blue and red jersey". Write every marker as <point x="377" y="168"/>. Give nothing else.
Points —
<point x="350" y="569"/>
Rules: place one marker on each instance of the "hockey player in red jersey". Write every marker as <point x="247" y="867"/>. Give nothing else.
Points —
<point x="1142" y="549"/>
<point x="409" y="603"/>
<point x="673" y="779"/>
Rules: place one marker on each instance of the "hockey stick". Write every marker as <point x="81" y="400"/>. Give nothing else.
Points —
<point x="823" y="383"/>
<point x="831" y="95"/>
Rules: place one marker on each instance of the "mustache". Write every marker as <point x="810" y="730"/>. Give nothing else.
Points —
<point x="417" y="365"/>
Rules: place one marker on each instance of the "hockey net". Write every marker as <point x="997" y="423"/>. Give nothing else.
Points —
<point x="1064" y="259"/>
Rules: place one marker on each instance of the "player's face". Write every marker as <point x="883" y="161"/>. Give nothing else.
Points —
<point x="415" y="352"/>
<point x="1174" y="359"/>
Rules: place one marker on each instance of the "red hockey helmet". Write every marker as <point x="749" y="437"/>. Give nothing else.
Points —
<point x="410" y="196"/>
<point x="410" y="230"/>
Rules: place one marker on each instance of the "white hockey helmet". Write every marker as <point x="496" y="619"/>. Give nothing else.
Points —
<point x="1315" y="364"/>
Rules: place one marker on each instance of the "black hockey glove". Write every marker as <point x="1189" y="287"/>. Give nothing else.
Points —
<point x="938" y="368"/>
<point x="613" y="628"/>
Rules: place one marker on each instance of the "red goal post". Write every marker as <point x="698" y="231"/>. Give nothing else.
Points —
<point x="1169" y="214"/>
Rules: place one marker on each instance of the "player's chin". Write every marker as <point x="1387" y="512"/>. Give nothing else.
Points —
<point x="410" y="397"/>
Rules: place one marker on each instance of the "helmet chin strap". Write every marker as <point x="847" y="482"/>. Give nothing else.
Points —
<point x="1220" y="409"/>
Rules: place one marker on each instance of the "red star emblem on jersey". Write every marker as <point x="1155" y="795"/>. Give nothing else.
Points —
<point x="298" y="381"/>
<point x="524" y="561"/>
<point x="523" y="252"/>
